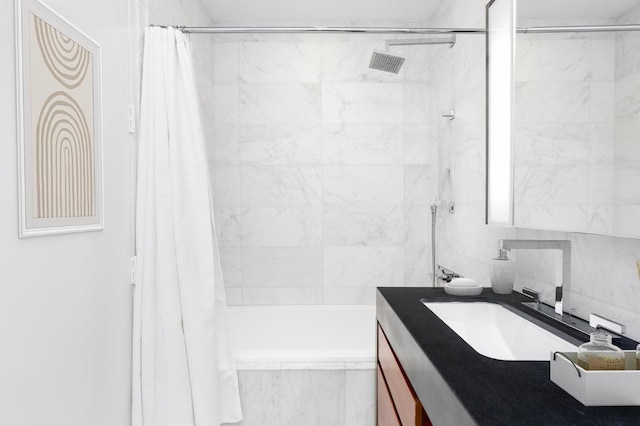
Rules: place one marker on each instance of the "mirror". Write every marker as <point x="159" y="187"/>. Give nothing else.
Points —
<point x="576" y="160"/>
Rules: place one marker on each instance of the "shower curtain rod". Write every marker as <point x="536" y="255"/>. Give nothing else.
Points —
<point x="580" y="29"/>
<point x="369" y="30"/>
<point x="389" y="30"/>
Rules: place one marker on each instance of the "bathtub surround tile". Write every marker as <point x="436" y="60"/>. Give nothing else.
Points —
<point x="363" y="266"/>
<point x="360" y="398"/>
<point x="362" y="103"/>
<point x="293" y="397"/>
<point x="278" y="267"/>
<point x="277" y="62"/>
<point x="260" y="397"/>
<point x="282" y="227"/>
<point x="280" y="103"/>
<point x="272" y="145"/>
<point x="362" y="185"/>
<point x="357" y="144"/>
<point x="312" y="397"/>
<point x="362" y="225"/>
<point x="281" y="185"/>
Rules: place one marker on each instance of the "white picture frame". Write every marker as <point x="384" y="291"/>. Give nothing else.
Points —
<point x="59" y="107"/>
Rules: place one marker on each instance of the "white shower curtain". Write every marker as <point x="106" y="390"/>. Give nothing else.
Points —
<point x="183" y="370"/>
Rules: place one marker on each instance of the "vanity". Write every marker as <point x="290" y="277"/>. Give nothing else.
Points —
<point x="455" y="385"/>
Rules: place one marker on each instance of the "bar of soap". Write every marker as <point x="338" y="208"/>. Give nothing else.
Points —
<point x="463" y="282"/>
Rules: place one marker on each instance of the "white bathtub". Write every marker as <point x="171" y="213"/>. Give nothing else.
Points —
<point x="303" y="337"/>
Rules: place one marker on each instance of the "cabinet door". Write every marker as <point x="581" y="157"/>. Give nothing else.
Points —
<point x="404" y="398"/>
<point x="387" y="415"/>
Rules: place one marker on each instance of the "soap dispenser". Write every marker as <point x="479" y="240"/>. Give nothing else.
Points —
<point x="503" y="273"/>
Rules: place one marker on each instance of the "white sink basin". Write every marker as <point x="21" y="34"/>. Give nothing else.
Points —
<point x="498" y="333"/>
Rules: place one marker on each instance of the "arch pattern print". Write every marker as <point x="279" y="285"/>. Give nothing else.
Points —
<point x="67" y="61"/>
<point x="60" y="124"/>
<point x="64" y="160"/>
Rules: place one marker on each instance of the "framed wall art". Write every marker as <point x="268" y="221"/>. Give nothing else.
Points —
<point x="59" y="124"/>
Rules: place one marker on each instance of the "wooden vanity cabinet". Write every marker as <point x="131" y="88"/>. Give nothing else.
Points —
<point x="398" y="403"/>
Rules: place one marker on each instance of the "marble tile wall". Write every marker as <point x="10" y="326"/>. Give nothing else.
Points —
<point x="627" y="116"/>
<point x="604" y="268"/>
<point x="565" y="127"/>
<point x="464" y="243"/>
<point x="322" y="169"/>
<point x="308" y="397"/>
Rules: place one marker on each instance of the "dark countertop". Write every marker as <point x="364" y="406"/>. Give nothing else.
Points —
<point x="493" y="392"/>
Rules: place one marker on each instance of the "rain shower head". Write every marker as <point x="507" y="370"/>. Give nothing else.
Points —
<point x="385" y="61"/>
<point x="391" y="62"/>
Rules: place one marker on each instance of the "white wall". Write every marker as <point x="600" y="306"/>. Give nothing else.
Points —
<point x="65" y="301"/>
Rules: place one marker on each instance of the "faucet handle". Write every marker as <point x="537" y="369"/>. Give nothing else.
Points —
<point x="598" y="321"/>
<point x="531" y="293"/>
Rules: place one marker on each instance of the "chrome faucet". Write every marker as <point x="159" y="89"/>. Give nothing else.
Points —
<point x="564" y="245"/>
<point x="535" y="295"/>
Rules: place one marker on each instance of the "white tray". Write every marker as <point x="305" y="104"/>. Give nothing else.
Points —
<point x="596" y="388"/>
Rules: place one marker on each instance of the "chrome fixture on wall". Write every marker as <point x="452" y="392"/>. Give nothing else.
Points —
<point x="391" y="62"/>
<point x="563" y="245"/>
